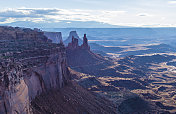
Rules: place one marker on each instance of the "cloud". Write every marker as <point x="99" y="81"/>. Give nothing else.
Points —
<point x="21" y="13"/>
<point x="13" y="13"/>
<point x="40" y="11"/>
<point x="113" y="17"/>
<point x="55" y="15"/>
<point x="172" y="2"/>
<point x="144" y="15"/>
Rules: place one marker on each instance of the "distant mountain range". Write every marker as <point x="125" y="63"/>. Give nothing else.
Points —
<point x="62" y="24"/>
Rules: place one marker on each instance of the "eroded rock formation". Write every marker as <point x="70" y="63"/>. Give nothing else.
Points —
<point x="69" y="39"/>
<point x="85" y="44"/>
<point x="75" y="45"/>
<point x="56" y="37"/>
<point x="78" y="56"/>
<point x="29" y="65"/>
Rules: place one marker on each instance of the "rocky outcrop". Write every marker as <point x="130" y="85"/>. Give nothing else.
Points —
<point x="11" y="33"/>
<point x="29" y="68"/>
<point x="21" y="86"/>
<point x="79" y="56"/>
<point x="74" y="44"/>
<point x="69" y="39"/>
<point x="56" y="37"/>
<point x="85" y="44"/>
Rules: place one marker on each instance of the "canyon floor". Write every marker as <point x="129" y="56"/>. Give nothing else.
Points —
<point x="142" y="83"/>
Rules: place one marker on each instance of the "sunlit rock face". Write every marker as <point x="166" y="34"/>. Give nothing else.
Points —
<point x="56" y="37"/>
<point x="69" y="39"/>
<point x="26" y="73"/>
<point x="21" y="86"/>
<point x="21" y="90"/>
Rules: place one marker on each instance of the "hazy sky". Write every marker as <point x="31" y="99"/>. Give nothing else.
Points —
<point x="117" y="12"/>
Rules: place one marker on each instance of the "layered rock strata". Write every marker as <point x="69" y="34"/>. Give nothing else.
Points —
<point x="29" y="66"/>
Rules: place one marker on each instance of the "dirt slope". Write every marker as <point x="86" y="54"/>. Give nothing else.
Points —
<point x="72" y="99"/>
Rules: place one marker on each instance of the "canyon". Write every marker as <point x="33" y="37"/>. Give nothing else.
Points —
<point x="33" y="68"/>
<point x="141" y="83"/>
<point x="30" y="65"/>
<point x="42" y="74"/>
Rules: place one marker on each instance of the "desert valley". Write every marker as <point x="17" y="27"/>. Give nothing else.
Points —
<point x="42" y="72"/>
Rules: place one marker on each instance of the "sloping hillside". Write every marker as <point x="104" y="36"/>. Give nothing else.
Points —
<point x="72" y="99"/>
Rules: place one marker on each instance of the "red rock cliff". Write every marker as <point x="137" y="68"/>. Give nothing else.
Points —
<point x="27" y="69"/>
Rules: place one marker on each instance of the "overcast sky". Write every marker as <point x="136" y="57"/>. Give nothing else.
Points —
<point x="152" y="13"/>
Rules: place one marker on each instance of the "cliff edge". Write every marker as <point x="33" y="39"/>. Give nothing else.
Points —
<point x="29" y="65"/>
